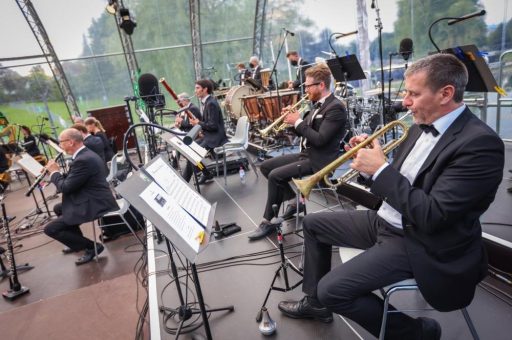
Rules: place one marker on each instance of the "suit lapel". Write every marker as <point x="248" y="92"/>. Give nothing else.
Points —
<point x="446" y="139"/>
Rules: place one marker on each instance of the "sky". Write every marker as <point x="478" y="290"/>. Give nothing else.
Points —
<point x="66" y="21"/>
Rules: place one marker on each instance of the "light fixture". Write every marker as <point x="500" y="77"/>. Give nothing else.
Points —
<point x="111" y="7"/>
<point x="127" y="24"/>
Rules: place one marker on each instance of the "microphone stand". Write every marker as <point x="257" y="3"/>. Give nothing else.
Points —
<point x="273" y="72"/>
<point x="378" y="26"/>
<point x="430" y="30"/>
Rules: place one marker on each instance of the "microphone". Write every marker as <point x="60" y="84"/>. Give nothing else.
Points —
<point x="289" y="32"/>
<point x="466" y="17"/>
<point x="191" y="135"/>
<point x="149" y="90"/>
<point x="406" y="48"/>
<point x="342" y="35"/>
<point x="373" y="4"/>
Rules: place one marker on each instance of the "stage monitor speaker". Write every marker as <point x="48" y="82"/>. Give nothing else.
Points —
<point x="116" y="121"/>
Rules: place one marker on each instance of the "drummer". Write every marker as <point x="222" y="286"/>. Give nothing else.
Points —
<point x="254" y="62"/>
<point x="243" y="72"/>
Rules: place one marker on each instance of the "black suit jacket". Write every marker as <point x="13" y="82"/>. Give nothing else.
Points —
<point x="301" y="73"/>
<point x="185" y="124"/>
<point x="441" y="209"/>
<point x="95" y="144"/>
<point x="85" y="192"/>
<point x="256" y="74"/>
<point x="214" y="133"/>
<point x="324" y="133"/>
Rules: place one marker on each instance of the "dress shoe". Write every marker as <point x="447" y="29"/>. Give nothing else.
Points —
<point x="204" y="178"/>
<point x="304" y="309"/>
<point x="291" y="210"/>
<point x="430" y="329"/>
<point x="264" y="229"/>
<point x="89" y="255"/>
<point x="67" y="250"/>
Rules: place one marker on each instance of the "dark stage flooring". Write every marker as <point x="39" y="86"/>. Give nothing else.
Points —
<point x="102" y="300"/>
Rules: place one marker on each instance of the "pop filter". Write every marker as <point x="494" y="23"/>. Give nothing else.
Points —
<point x="150" y="92"/>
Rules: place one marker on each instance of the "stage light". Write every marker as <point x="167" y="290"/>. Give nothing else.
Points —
<point x="127" y="24"/>
<point x="112" y="7"/>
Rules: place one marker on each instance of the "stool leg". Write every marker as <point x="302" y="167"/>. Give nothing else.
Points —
<point x="384" y="317"/>
<point x="94" y="239"/>
<point x="470" y="324"/>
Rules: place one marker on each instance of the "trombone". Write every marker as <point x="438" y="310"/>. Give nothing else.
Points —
<point x="278" y="124"/>
<point x="305" y="185"/>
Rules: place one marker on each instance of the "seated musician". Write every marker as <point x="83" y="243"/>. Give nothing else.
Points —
<point x="9" y="131"/>
<point x="212" y="125"/>
<point x="30" y="145"/>
<point x="320" y="130"/>
<point x="254" y="63"/>
<point x="443" y="178"/>
<point x="183" y="120"/>
<point x="5" y="178"/>
<point x="91" y="141"/>
<point x="86" y="196"/>
<point x="96" y="129"/>
<point x="296" y="60"/>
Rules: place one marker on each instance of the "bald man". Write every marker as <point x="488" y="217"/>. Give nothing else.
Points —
<point x="86" y="196"/>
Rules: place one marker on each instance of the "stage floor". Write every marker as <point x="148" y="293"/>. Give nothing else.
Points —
<point x="102" y="300"/>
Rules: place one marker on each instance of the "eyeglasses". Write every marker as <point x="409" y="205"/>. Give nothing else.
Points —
<point x="63" y="140"/>
<point x="307" y="86"/>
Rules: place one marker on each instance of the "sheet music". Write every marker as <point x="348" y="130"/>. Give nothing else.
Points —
<point x="173" y="184"/>
<point x="169" y="210"/>
<point x="29" y="164"/>
<point x="55" y="146"/>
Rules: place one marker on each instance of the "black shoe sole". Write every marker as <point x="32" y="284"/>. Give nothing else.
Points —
<point x="318" y="318"/>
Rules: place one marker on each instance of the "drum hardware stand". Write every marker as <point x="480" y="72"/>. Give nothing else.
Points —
<point x="15" y="288"/>
<point x="282" y="267"/>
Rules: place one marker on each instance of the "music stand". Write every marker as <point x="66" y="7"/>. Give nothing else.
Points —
<point x="480" y="77"/>
<point x="182" y="215"/>
<point x="346" y="68"/>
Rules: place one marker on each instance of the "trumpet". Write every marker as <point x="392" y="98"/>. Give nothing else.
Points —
<point x="278" y="124"/>
<point x="305" y="185"/>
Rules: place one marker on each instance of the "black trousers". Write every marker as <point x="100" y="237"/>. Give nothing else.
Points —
<point x="279" y="171"/>
<point x="70" y="235"/>
<point x="347" y="289"/>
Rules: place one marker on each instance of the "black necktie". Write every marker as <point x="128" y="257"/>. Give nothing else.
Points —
<point x="429" y="129"/>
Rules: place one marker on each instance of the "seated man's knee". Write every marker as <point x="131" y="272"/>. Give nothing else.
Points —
<point x="57" y="209"/>
<point x="331" y="296"/>
<point x="265" y="169"/>
<point x="50" y="230"/>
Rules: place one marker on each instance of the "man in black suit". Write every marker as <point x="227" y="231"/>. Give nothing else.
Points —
<point x="92" y="142"/>
<point x="301" y="65"/>
<point x="86" y="196"/>
<point x="212" y="126"/>
<point x="442" y="179"/>
<point x="183" y="120"/>
<point x="320" y="130"/>
<point x="254" y="63"/>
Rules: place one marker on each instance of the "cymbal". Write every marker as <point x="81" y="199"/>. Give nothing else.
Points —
<point x="378" y="91"/>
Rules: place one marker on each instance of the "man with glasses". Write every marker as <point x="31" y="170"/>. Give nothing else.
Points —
<point x="86" y="196"/>
<point x="321" y="130"/>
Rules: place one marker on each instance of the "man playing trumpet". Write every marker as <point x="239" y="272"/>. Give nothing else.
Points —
<point x="321" y="130"/>
<point x="442" y="179"/>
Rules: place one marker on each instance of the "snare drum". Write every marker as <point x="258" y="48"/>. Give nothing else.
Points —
<point x="233" y="102"/>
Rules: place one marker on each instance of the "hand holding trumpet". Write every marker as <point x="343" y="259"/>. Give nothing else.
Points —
<point x="366" y="160"/>
<point x="291" y="115"/>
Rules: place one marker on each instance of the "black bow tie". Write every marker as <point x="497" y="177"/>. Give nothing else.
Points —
<point x="429" y="129"/>
<point x="317" y="105"/>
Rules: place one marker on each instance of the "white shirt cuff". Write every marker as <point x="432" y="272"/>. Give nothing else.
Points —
<point x="297" y="122"/>
<point x="377" y="173"/>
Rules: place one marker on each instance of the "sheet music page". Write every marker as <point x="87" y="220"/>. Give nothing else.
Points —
<point x="199" y="149"/>
<point x="169" y="210"/>
<point x="29" y="164"/>
<point x="174" y="185"/>
<point x="55" y="146"/>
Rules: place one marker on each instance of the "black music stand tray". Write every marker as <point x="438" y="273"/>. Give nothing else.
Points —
<point x="480" y="76"/>
<point x="159" y="193"/>
<point x="346" y="68"/>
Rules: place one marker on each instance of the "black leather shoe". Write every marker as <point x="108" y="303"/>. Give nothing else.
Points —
<point x="89" y="255"/>
<point x="204" y="178"/>
<point x="430" y="329"/>
<point x="67" y="250"/>
<point x="264" y="229"/>
<point x="303" y="309"/>
<point x="291" y="210"/>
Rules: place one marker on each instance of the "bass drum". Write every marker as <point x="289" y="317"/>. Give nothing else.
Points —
<point x="233" y="103"/>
